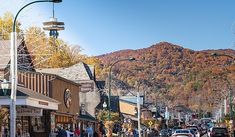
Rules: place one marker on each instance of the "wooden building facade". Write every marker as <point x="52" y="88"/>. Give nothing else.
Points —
<point x="60" y="89"/>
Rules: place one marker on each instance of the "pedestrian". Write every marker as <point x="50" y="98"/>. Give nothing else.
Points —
<point x="95" y="134"/>
<point x="62" y="132"/>
<point x="77" y="132"/>
<point x="83" y="134"/>
<point x="89" y="131"/>
<point x="68" y="132"/>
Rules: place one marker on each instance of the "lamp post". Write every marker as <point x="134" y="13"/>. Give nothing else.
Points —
<point x="5" y="87"/>
<point x="110" y="70"/>
<point x="109" y="125"/>
<point x="230" y="93"/>
<point x="138" y="108"/>
<point x="14" y="67"/>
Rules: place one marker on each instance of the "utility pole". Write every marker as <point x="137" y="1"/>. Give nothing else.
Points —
<point x="138" y="107"/>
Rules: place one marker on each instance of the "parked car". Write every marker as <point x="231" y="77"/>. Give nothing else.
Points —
<point x="174" y="129"/>
<point x="182" y="133"/>
<point x="194" y="126"/>
<point x="209" y="132"/>
<point x="219" y="132"/>
<point x="164" y="133"/>
<point x="195" y="132"/>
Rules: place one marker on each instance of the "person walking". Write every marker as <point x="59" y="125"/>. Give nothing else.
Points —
<point x="62" y="133"/>
<point x="77" y="132"/>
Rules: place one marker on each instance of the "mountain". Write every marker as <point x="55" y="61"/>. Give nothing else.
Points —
<point x="174" y="75"/>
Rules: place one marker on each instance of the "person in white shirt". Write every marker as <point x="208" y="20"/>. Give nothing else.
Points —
<point x="69" y="133"/>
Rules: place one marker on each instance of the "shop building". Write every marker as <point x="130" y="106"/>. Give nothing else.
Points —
<point x="60" y="89"/>
<point x="36" y="93"/>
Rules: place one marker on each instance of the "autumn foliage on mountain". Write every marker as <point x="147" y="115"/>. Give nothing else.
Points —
<point x="174" y="75"/>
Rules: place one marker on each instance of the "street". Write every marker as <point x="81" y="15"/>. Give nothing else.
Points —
<point x="204" y="135"/>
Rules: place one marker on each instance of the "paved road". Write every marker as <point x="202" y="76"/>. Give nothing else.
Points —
<point x="204" y="135"/>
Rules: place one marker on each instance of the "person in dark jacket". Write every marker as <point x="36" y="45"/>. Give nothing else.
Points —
<point x="62" y="133"/>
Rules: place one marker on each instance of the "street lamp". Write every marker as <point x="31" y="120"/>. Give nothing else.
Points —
<point x="104" y="105"/>
<point x="230" y="93"/>
<point x="5" y="87"/>
<point x="138" y="107"/>
<point x="110" y="69"/>
<point x="14" y="67"/>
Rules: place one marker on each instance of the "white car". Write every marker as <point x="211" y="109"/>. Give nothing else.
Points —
<point x="195" y="132"/>
<point x="182" y="133"/>
<point x="209" y="132"/>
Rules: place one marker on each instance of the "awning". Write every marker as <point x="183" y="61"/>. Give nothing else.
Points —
<point x="87" y="117"/>
<point x="27" y="97"/>
<point x="130" y="116"/>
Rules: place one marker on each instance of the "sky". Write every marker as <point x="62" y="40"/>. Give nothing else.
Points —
<point x="104" y="26"/>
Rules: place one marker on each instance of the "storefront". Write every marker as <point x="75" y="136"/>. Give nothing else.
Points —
<point x="32" y="113"/>
<point x="65" y="120"/>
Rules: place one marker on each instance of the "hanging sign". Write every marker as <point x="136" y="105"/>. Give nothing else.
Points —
<point x="28" y="112"/>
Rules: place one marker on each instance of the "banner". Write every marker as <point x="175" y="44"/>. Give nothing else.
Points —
<point x="28" y="112"/>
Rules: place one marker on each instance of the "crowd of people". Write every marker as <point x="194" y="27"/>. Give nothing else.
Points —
<point x="65" y="132"/>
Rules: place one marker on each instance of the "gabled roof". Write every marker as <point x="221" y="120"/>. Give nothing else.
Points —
<point x="24" y="58"/>
<point x="4" y="53"/>
<point x="76" y="73"/>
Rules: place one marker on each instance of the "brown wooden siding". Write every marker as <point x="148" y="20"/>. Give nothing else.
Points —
<point x="35" y="81"/>
<point x="58" y="88"/>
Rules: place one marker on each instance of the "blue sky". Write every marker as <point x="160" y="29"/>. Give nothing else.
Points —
<point x="104" y="26"/>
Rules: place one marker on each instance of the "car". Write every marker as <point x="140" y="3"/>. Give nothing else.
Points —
<point x="175" y="128"/>
<point x="164" y="133"/>
<point x="182" y="133"/>
<point x="195" y="132"/>
<point x="219" y="132"/>
<point x="209" y="132"/>
<point x="194" y="126"/>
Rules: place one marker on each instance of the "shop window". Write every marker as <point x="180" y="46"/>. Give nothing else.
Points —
<point x="38" y="124"/>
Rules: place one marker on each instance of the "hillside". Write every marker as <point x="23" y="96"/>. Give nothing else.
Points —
<point x="174" y="75"/>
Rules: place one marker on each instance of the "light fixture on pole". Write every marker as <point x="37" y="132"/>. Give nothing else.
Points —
<point x="14" y="67"/>
<point x="5" y="87"/>
<point x="110" y="78"/>
<point x="104" y="105"/>
<point x="230" y="93"/>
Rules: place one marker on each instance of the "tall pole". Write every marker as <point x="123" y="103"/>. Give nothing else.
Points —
<point x="14" y="68"/>
<point x="225" y="105"/>
<point x="230" y="93"/>
<point x="13" y="84"/>
<point x="110" y="78"/>
<point x="138" y="107"/>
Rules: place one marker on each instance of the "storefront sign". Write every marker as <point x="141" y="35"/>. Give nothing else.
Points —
<point x="52" y="122"/>
<point x="43" y="103"/>
<point x="28" y="112"/>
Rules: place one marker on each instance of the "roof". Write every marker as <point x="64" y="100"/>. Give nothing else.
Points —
<point x="87" y="117"/>
<point x="134" y="118"/>
<point x="77" y="72"/>
<point x="24" y="62"/>
<point x="131" y="99"/>
<point x="32" y="94"/>
<point x="27" y="97"/>
<point x="4" y="53"/>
